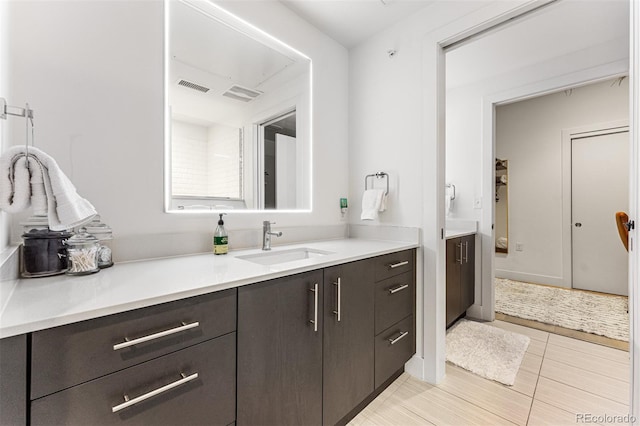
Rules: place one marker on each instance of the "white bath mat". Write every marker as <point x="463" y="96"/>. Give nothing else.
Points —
<point x="594" y="313"/>
<point x="487" y="351"/>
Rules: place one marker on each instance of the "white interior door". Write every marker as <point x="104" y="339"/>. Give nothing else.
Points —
<point x="286" y="174"/>
<point x="599" y="188"/>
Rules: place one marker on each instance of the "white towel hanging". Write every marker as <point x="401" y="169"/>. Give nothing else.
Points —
<point x="35" y="180"/>
<point x="371" y="201"/>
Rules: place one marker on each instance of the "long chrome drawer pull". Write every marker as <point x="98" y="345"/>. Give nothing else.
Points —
<point x="395" y="265"/>
<point x="402" y="335"/>
<point x="397" y="289"/>
<point x="143" y="339"/>
<point x="338" y="313"/>
<point x="129" y="402"/>
<point x="314" y="321"/>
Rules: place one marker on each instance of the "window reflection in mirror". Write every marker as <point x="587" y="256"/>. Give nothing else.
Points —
<point x="237" y="114"/>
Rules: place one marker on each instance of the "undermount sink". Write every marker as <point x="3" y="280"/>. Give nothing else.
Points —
<point x="284" y="256"/>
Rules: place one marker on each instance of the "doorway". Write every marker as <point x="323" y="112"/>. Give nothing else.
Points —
<point x="281" y="158"/>
<point x="599" y="189"/>
<point x="568" y="174"/>
<point x="481" y="191"/>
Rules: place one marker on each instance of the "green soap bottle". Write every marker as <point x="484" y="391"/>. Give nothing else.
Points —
<point x="220" y="238"/>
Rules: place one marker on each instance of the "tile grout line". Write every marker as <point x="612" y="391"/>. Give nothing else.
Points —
<point x="535" y="389"/>
<point x="479" y="406"/>
<point x="582" y="390"/>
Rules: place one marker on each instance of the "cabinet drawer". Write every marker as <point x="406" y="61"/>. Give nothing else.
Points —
<point x="72" y="354"/>
<point x="208" y="398"/>
<point x="390" y="357"/>
<point x="394" y="300"/>
<point x="393" y="264"/>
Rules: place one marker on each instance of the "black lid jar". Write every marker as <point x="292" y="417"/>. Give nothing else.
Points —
<point x="43" y="251"/>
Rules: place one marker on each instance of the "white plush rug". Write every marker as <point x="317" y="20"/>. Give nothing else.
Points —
<point x="594" y="313"/>
<point x="487" y="351"/>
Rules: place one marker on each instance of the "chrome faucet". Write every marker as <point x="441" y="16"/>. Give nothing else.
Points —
<point x="266" y="234"/>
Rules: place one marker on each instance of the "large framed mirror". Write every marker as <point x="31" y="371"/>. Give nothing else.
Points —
<point x="502" y="206"/>
<point x="237" y="115"/>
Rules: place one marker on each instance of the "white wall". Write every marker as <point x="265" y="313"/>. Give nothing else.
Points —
<point x="529" y="135"/>
<point x="394" y="128"/>
<point x="93" y="73"/>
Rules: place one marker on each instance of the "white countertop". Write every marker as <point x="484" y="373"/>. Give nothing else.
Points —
<point x="41" y="303"/>
<point x="453" y="233"/>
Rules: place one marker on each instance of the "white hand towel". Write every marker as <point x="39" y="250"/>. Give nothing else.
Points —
<point x="371" y="200"/>
<point x="383" y="202"/>
<point x="448" y="201"/>
<point x="38" y="181"/>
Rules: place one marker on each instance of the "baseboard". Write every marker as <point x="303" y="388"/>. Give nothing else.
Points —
<point x="531" y="278"/>
<point x="415" y="367"/>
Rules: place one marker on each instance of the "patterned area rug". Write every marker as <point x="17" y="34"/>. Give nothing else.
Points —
<point x="487" y="351"/>
<point x="605" y="315"/>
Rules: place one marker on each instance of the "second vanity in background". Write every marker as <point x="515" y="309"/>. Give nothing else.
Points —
<point x="460" y="261"/>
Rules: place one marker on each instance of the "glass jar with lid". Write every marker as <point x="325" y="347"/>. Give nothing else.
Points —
<point x="105" y="236"/>
<point x="82" y="253"/>
<point x="43" y="251"/>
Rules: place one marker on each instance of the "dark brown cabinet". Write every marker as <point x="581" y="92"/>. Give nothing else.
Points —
<point x="395" y="302"/>
<point x="460" y="260"/>
<point x="280" y="326"/>
<point x="193" y="386"/>
<point x="174" y="363"/>
<point x="307" y="349"/>
<point x="348" y="352"/>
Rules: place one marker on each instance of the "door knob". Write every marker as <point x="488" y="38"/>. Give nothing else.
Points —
<point x="578" y="224"/>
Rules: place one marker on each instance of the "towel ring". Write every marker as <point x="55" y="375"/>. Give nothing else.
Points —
<point x="378" y="175"/>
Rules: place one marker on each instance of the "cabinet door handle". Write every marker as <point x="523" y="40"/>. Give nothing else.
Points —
<point x="460" y="259"/>
<point x="402" y="335"/>
<point x="399" y="288"/>
<point x="466" y="252"/>
<point x="129" y="402"/>
<point x="154" y="336"/>
<point x="395" y="265"/>
<point x="314" y="321"/>
<point x="338" y="285"/>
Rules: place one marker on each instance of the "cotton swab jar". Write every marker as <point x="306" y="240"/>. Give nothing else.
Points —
<point x="82" y="252"/>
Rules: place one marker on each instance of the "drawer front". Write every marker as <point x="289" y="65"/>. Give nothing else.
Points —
<point x="390" y="357"/>
<point x="69" y="355"/>
<point x="208" y="398"/>
<point x="393" y="264"/>
<point x="394" y="300"/>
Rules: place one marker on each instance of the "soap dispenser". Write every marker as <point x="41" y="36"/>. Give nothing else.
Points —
<point x="220" y="238"/>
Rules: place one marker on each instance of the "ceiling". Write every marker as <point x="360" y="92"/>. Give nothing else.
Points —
<point x="569" y="26"/>
<point x="349" y="22"/>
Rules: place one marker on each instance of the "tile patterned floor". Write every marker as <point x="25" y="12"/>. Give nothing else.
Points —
<point x="560" y="377"/>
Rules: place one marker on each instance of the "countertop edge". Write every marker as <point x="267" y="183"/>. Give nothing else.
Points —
<point x="46" y="323"/>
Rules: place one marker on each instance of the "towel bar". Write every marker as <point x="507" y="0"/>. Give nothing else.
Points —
<point x="378" y="175"/>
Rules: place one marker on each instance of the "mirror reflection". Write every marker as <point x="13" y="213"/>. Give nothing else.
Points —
<point x="502" y="206"/>
<point x="237" y="115"/>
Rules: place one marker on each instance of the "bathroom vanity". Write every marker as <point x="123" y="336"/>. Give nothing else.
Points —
<point x="460" y="259"/>
<point x="212" y="339"/>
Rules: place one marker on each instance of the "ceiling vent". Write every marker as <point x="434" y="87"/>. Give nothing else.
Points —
<point x="243" y="94"/>
<point x="194" y="86"/>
